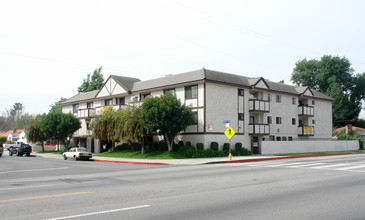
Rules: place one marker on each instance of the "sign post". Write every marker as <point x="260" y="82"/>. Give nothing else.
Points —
<point x="229" y="133"/>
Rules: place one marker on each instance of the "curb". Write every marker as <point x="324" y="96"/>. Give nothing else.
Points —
<point x="130" y="162"/>
<point x="276" y="158"/>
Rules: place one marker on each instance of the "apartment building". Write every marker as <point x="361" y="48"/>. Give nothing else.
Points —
<point x="257" y="109"/>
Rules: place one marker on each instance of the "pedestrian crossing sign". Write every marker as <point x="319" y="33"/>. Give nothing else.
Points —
<point x="229" y="132"/>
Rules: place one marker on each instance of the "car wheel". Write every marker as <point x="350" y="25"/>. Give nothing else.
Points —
<point x="10" y="153"/>
<point x="28" y="154"/>
<point x="75" y="158"/>
<point x="1" y="155"/>
<point x="64" y="157"/>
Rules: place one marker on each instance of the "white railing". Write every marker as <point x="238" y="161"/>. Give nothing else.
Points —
<point x="259" y="105"/>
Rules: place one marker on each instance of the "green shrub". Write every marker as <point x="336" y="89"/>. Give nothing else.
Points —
<point x="226" y="148"/>
<point x="3" y="139"/>
<point x="181" y="143"/>
<point x="211" y="153"/>
<point x="162" y="146"/>
<point x="124" y="146"/>
<point x="137" y="146"/>
<point x="238" y="145"/>
<point x="188" y="144"/>
<point x="151" y="146"/>
<point x="200" y="146"/>
<point x="361" y="143"/>
<point x="214" y="146"/>
<point x="176" y="147"/>
<point x="190" y="152"/>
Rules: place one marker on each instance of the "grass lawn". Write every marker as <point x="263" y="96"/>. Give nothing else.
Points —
<point x="52" y="152"/>
<point x="138" y="155"/>
<point x="336" y="152"/>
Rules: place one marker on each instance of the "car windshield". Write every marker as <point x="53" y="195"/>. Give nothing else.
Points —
<point x="81" y="149"/>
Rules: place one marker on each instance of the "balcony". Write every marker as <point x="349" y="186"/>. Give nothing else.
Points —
<point x="86" y="113"/>
<point x="258" y="129"/>
<point x="259" y="105"/>
<point x="306" y="131"/>
<point x="304" y="110"/>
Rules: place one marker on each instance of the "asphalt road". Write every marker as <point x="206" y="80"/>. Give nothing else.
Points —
<point x="307" y="188"/>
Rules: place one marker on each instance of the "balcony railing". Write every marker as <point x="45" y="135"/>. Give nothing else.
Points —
<point x="86" y="113"/>
<point x="259" y="129"/>
<point x="306" y="131"/>
<point x="259" y="105"/>
<point x="304" y="110"/>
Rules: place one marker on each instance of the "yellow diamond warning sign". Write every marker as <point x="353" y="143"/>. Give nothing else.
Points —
<point x="229" y="132"/>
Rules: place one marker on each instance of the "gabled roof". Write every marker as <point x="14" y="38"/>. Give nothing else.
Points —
<point x="81" y="97"/>
<point x="201" y="75"/>
<point x="6" y="134"/>
<point x="125" y="82"/>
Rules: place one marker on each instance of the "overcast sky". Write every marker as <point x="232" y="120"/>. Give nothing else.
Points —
<point x="48" y="47"/>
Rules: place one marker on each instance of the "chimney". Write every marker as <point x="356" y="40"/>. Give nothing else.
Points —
<point x="14" y="130"/>
<point x="349" y="126"/>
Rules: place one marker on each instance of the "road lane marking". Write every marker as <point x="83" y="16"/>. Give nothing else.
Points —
<point x="99" y="213"/>
<point x="350" y="168"/>
<point x="34" y="170"/>
<point x="45" y="197"/>
<point x="24" y="187"/>
<point x="332" y="165"/>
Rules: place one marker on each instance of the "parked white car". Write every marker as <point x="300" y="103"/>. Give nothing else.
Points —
<point x="76" y="153"/>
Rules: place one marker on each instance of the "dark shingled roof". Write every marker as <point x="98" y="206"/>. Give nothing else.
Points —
<point x="81" y="97"/>
<point x="125" y="82"/>
<point x="135" y="85"/>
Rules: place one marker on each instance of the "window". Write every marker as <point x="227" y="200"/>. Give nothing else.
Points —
<point x="278" y="120"/>
<point x="252" y="120"/>
<point x="271" y="138"/>
<point x="241" y="92"/>
<point x="269" y="97"/>
<point x="172" y="91"/>
<point x="313" y="102"/>
<point x="283" y="138"/>
<point x="269" y="119"/>
<point x="278" y="138"/>
<point x="290" y="138"/>
<point x="300" y="123"/>
<point x="108" y="102"/>
<point x="122" y="101"/>
<point x="75" y="108"/>
<point x="314" y="122"/>
<point x="191" y="92"/>
<point x="293" y="122"/>
<point x="144" y="96"/>
<point x="293" y="101"/>
<point x="195" y="118"/>
<point x="241" y="116"/>
<point x="278" y="98"/>
<point x="90" y="105"/>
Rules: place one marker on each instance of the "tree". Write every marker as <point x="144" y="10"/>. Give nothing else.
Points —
<point x="165" y="115"/>
<point x="333" y="76"/>
<point x="96" y="81"/>
<point x="3" y="139"/>
<point x="23" y="121"/>
<point x="34" y="131"/>
<point x="60" y="126"/>
<point x="18" y="110"/>
<point x="56" y="107"/>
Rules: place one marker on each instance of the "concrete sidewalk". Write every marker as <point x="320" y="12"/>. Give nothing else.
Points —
<point x="194" y="161"/>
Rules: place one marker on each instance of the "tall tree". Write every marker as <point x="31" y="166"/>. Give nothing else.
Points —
<point x="24" y="120"/>
<point x="60" y="126"/>
<point x="18" y="110"/>
<point x="92" y="81"/>
<point x="56" y="107"/>
<point x="165" y="115"/>
<point x="35" y="133"/>
<point x="333" y="76"/>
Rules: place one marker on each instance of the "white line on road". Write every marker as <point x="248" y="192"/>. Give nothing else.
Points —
<point x="350" y="168"/>
<point x="101" y="212"/>
<point x="24" y="187"/>
<point x="34" y="170"/>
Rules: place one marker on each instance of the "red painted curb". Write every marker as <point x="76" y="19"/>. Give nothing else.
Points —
<point x="275" y="158"/>
<point x="130" y="162"/>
